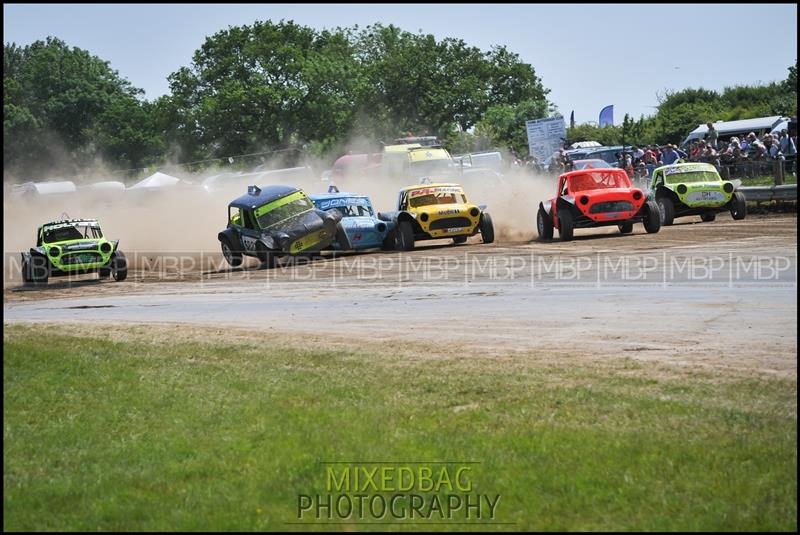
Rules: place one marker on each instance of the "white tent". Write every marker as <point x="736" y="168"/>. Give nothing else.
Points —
<point x="44" y="188"/>
<point x="111" y="186"/>
<point x="157" y="180"/>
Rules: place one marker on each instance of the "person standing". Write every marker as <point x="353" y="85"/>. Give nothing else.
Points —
<point x="713" y="135"/>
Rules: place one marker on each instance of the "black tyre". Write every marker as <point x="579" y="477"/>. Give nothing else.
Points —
<point x="738" y="206"/>
<point x="708" y="217"/>
<point x="544" y="225"/>
<point x="390" y="241"/>
<point x="405" y="236"/>
<point x="265" y="256"/>
<point x="652" y="217"/>
<point x="39" y="270"/>
<point x="625" y="228"/>
<point x="26" y="270"/>
<point x="459" y="240"/>
<point x="667" y="209"/>
<point x="119" y="266"/>
<point x="104" y="273"/>
<point x="487" y="228"/>
<point x="565" y="224"/>
<point x="233" y="258"/>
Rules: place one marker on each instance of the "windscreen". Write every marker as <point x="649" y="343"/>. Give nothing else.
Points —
<point x="598" y="180"/>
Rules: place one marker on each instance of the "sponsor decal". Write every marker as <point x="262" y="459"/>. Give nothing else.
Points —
<point x="698" y="196"/>
<point x="448" y="212"/>
<point x="343" y="201"/>
<point x="430" y="191"/>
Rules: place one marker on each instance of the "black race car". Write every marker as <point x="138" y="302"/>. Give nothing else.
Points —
<point x="277" y="220"/>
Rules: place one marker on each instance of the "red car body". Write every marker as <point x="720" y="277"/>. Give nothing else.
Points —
<point x="596" y="198"/>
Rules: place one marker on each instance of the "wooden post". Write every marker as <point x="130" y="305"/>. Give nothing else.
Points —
<point x="778" y="172"/>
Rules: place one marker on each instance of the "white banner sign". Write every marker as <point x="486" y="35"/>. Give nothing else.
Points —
<point x="545" y="136"/>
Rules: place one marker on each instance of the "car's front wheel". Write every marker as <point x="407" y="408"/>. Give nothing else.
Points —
<point x="231" y="257"/>
<point x="565" y="225"/>
<point x="544" y="225"/>
<point x="667" y="210"/>
<point x="708" y="217"/>
<point x="487" y="228"/>
<point x="459" y="240"/>
<point x="265" y="256"/>
<point x="119" y="266"/>
<point x="625" y="228"/>
<point x="738" y="206"/>
<point x="652" y="217"/>
<point x="405" y="236"/>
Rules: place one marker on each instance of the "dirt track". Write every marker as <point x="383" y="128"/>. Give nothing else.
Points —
<point x="718" y="294"/>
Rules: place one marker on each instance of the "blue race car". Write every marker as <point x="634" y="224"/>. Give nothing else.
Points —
<point x="359" y="220"/>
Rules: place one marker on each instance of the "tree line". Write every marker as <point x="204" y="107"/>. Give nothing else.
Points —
<point x="270" y="86"/>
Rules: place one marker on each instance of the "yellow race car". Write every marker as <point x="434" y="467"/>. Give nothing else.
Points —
<point x="437" y="211"/>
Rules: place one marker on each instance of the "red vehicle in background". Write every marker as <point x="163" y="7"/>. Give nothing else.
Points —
<point x="596" y="198"/>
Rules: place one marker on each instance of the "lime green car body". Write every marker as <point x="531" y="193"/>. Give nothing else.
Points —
<point x="72" y="246"/>
<point x="685" y="189"/>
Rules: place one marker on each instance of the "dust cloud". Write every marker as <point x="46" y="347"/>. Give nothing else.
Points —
<point x="187" y="217"/>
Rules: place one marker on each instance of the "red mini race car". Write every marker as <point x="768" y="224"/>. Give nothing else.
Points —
<point x="596" y="198"/>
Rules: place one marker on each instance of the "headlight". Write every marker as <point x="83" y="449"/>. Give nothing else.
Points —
<point x="423" y="217"/>
<point x="584" y="199"/>
<point x="637" y="195"/>
<point x="105" y="247"/>
<point x="474" y="212"/>
<point x="681" y="189"/>
<point x="54" y="251"/>
<point x="727" y="187"/>
<point x="380" y="227"/>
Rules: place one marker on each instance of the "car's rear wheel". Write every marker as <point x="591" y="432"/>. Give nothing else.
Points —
<point x="544" y="225"/>
<point x="738" y="206"/>
<point x="119" y="266"/>
<point x="459" y="239"/>
<point x="565" y="225"/>
<point x="652" y="217"/>
<point x="625" y="228"/>
<point x="233" y="258"/>
<point x="667" y="210"/>
<point x="487" y="228"/>
<point x="405" y="236"/>
<point x="708" y="217"/>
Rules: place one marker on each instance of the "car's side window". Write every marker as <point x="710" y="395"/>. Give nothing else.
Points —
<point x="403" y="204"/>
<point x="564" y="188"/>
<point x="39" y="239"/>
<point x="247" y="218"/>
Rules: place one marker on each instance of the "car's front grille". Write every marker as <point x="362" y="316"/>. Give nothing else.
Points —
<point x="611" y="206"/>
<point x="86" y="257"/>
<point x="450" y="222"/>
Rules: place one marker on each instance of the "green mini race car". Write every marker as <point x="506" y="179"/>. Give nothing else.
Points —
<point x="72" y="247"/>
<point x="694" y="189"/>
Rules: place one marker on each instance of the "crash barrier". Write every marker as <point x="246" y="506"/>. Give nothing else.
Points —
<point x="786" y="192"/>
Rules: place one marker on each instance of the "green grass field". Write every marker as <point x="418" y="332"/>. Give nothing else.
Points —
<point x="135" y="433"/>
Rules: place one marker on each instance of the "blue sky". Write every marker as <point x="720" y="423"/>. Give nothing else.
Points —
<point x="587" y="55"/>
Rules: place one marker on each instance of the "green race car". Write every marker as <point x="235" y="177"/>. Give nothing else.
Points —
<point x="71" y="247"/>
<point x="694" y="189"/>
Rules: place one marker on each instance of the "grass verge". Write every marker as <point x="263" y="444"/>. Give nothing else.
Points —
<point x="134" y="433"/>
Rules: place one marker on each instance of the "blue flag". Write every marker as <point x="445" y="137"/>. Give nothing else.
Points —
<point x="607" y="116"/>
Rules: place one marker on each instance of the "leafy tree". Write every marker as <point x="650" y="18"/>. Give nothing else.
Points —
<point x="55" y="101"/>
